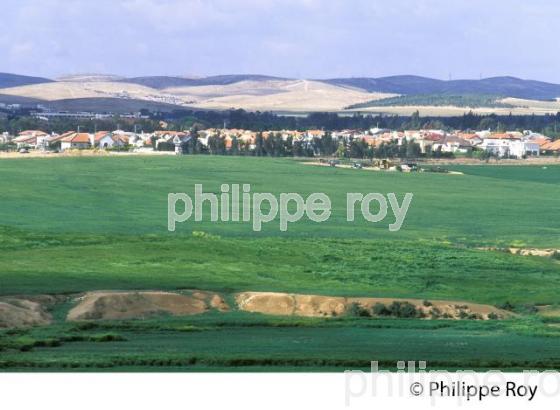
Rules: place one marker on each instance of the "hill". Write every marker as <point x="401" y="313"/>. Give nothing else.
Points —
<point x="161" y="82"/>
<point x="409" y="84"/>
<point x="113" y="105"/>
<point x="16" y="80"/>
<point x="253" y="92"/>
<point x="438" y="100"/>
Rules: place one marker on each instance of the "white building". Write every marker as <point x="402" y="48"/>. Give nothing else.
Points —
<point x="76" y="140"/>
<point x="5" y="138"/>
<point x="501" y="147"/>
<point x="452" y="143"/>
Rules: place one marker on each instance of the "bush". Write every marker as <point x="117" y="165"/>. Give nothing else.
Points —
<point x="507" y="306"/>
<point x="109" y="337"/>
<point x="379" y="309"/>
<point x="358" y="310"/>
<point x="492" y="316"/>
<point x="435" y="313"/>
<point x="404" y="310"/>
<point x="427" y="303"/>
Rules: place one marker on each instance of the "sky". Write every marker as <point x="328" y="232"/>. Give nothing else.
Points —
<point x="288" y="38"/>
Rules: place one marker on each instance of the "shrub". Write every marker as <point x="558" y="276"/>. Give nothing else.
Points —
<point x="507" y="306"/>
<point x="492" y="316"/>
<point x="403" y="309"/>
<point x="109" y="337"/>
<point x="358" y="310"/>
<point x="380" y="309"/>
<point x="435" y="313"/>
<point x="427" y="303"/>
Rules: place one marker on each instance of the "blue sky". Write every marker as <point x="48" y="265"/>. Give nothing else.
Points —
<point x="291" y="38"/>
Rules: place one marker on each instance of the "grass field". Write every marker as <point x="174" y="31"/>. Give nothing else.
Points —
<point x="76" y="224"/>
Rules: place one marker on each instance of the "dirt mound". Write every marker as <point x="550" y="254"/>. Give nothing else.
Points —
<point x="328" y="306"/>
<point x="266" y="302"/>
<point x="313" y="305"/>
<point x="18" y="312"/>
<point x="133" y="305"/>
<point x="437" y="309"/>
<point x="290" y="304"/>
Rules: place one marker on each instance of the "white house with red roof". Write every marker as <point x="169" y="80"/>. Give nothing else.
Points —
<point x="76" y="140"/>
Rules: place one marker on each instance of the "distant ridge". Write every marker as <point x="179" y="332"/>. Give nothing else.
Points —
<point x="16" y="80"/>
<point x="161" y="82"/>
<point x="400" y="94"/>
<point x="410" y="85"/>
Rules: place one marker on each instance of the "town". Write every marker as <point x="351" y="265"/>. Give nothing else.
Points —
<point x="359" y="144"/>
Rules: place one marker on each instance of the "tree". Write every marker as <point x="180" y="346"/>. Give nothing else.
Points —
<point x="234" y="146"/>
<point x="341" y="151"/>
<point x="413" y="150"/>
<point x="259" y="144"/>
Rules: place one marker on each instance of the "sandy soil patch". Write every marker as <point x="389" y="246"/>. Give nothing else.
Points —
<point x="21" y="312"/>
<point x="273" y="303"/>
<point x="131" y="305"/>
<point x="549" y="311"/>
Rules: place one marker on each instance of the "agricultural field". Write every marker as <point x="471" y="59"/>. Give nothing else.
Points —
<point x="84" y="224"/>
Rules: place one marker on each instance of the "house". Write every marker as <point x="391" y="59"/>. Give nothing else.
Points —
<point x="106" y="139"/>
<point x="30" y="138"/>
<point x="426" y="140"/>
<point x="452" y="143"/>
<point x="168" y="137"/>
<point x="314" y="134"/>
<point x="76" y="140"/>
<point x="505" y="145"/>
<point x="472" y="138"/>
<point x="551" y="147"/>
<point x="5" y="137"/>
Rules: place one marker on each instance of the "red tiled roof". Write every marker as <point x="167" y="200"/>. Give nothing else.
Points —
<point x="77" y="137"/>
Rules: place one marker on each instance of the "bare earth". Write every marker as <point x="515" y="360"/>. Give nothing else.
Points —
<point x="328" y="306"/>
<point x="131" y="305"/>
<point x="272" y="95"/>
<point x="17" y="311"/>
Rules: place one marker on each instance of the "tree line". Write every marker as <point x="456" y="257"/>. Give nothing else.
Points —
<point x="265" y="121"/>
<point x="325" y="146"/>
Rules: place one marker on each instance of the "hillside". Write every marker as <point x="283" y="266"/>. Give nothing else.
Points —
<point x="438" y="100"/>
<point x="401" y="95"/>
<point x="220" y="92"/>
<point x="408" y="84"/>
<point x="16" y="80"/>
<point x="113" y="105"/>
<point x="161" y="82"/>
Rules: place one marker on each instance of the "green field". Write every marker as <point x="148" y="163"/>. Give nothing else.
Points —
<point x="70" y="225"/>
